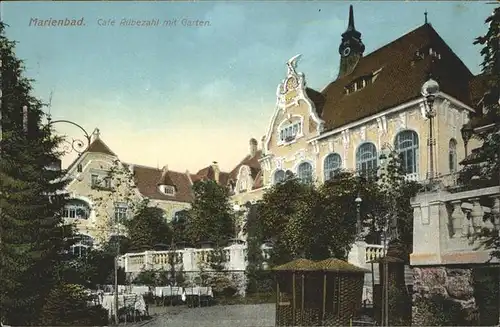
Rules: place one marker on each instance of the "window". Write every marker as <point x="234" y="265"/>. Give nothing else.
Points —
<point x="290" y="132"/>
<point x="76" y="209"/>
<point x="107" y="182"/>
<point x="305" y="172"/>
<point x="279" y="176"/>
<point x="452" y="156"/>
<point x="331" y="165"/>
<point x="120" y="211"/>
<point x="83" y="244"/>
<point x="79" y="168"/>
<point x="406" y="144"/>
<point x="167" y="189"/>
<point x="366" y="159"/>
<point x="94" y="180"/>
<point x="100" y="181"/>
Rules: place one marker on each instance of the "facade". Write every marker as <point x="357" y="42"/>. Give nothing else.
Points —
<point x="98" y="198"/>
<point x="374" y="105"/>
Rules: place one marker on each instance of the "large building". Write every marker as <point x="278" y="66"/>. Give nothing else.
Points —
<point x="374" y="104"/>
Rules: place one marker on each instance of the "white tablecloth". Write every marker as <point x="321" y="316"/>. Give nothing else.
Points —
<point x="134" y="300"/>
<point x="161" y="291"/>
<point x="140" y="290"/>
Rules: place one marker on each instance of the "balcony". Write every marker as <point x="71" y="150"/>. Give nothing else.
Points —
<point x="450" y="220"/>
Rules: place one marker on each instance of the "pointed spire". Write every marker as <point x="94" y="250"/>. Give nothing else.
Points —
<point x="350" y="26"/>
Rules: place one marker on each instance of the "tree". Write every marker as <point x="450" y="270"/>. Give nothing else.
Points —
<point x="486" y="165"/>
<point x="258" y="279"/>
<point x="303" y="220"/>
<point x="32" y="238"/>
<point x="148" y="228"/>
<point x="211" y="217"/>
<point x="396" y="193"/>
<point x="67" y="305"/>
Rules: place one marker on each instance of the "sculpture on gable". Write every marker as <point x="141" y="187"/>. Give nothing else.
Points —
<point x="292" y="65"/>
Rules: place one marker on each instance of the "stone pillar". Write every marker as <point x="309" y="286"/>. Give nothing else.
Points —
<point x="438" y="286"/>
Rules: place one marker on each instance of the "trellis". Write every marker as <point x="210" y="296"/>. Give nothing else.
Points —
<point x="325" y="293"/>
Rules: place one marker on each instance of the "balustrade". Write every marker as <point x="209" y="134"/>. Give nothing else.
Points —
<point x="453" y="227"/>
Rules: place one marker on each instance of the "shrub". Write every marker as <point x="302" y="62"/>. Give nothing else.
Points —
<point x="69" y="304"/>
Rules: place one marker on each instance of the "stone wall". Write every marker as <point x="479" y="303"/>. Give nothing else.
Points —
<point x="451" y="293"/>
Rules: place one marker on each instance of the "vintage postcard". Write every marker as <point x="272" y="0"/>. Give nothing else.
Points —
<point x="250" y="163"/>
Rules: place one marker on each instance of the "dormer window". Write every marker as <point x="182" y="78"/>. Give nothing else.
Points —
<point x="358" y="84"/>
<point x="167" y="189"/>
<point x="288" y="133"/>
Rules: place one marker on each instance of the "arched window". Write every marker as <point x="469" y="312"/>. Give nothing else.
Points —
<point x="366" y="158"/>
<point x="304" y="172"/>
<point x="452" y="155"/>
<point x="76" y="209"/>
<point x="406" y="144"/>
<point x="332" y="163"/>
<point x="279" y="176"/>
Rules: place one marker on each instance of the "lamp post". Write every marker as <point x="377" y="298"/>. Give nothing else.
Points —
<point x="466" y="132"/>
<point x="359" y="230"/>
<point x="429" y="91"/>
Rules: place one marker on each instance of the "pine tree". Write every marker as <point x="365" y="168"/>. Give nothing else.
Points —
<point x="31" y="234"/>
<point x="211" y="217"/>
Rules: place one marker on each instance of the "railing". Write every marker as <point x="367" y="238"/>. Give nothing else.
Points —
<point x="451" y="228"/>
<point x="373" y="252"/>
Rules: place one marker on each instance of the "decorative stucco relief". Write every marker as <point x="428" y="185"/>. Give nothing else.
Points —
<point x="382" y="131"/>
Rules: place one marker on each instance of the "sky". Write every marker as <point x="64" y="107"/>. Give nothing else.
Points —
<point x="185" y="96"/>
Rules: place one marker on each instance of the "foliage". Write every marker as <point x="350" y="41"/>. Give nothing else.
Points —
<point x="147" y="277"/>
<point x="148" y="228"/>
<point x="399" y="306"/>
<point x="396" y="193"/>
<point x="488" y="166"/>
<point x="303" y="220"/>
<point x="32" y="238"/>
<point x="95" y="268"/>
<point x="159" y="277"/>
<point x="178" y="226"/>
<point x="211" y="216"/>
<point x="122" y="191"/>
<point x="68" y="305"/>
<point x="438" y="310"/>
<point x="257" y="278"/>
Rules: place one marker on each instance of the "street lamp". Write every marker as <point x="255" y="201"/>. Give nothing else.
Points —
<point x="429" y="90"/>
<point x="358" y="201"/>
<point x="77" y="145"/>
<point x="466" y="132"/>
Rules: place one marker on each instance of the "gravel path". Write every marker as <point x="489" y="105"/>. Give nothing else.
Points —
<point x="258" y="315"/>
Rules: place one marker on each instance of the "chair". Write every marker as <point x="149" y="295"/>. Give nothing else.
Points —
<point x="129" y="306"/>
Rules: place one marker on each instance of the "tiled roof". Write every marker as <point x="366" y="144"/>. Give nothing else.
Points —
<point x="399" y="80"/>
<point x="253" y="163"/>
<point x="147" y="179"/>
<point x="99" y="146"/>
<point x="96" y="146"/>
<point x="478" y="87"/>
<point x="208" y="173"/>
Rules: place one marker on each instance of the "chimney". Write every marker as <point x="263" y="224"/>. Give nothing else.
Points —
<point x="95" y="135"/>
<point x="216" y="169"/>
<point x="253" y="147"/>
<point x="131" y="168"/>
<point x="164" y="173"/>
